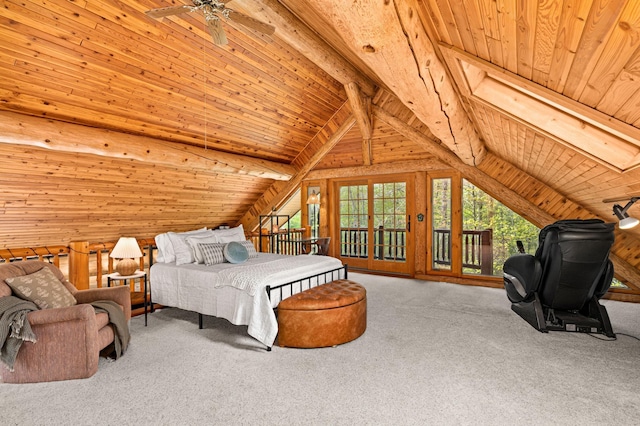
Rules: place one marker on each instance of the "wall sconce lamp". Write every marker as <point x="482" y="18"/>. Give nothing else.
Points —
<point x="314" y="198"/>
<point x="126" y="249"/>
<point x="626" y="221"/>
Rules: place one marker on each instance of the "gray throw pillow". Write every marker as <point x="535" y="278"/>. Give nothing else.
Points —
<point x="251" y="249"/>
<point x="213" y="253"/>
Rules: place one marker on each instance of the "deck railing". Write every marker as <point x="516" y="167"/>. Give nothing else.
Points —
<point x="388" y="243"/>
<point x="477" y="249"/>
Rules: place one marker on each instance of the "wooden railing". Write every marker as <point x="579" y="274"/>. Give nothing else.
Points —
<point x="282" y="242"/>
<point x="354" y="242"/>
<point x="388" y="243"/>
<point x="84" y="264"/>
<point x="477" y="249"/>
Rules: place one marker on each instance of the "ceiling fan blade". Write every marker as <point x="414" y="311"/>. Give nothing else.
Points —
<point x="168" y="11"/>
<point x="249" y="22"/>
<point x="216" y="31"/>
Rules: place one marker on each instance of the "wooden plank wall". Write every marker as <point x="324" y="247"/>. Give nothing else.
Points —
<point x="52" y="198"/>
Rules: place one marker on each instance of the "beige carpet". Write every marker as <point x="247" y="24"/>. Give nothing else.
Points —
<point x="433" y="353"/>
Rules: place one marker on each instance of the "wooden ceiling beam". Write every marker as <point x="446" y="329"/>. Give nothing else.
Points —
<point x="28" y="130"/>
<point x="361" y="107"/>
<point x="295" y="33"/>
<point x="279" y="192"/>
<point x="390" y="39"/>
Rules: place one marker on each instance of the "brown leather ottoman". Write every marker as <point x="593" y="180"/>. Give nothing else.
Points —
<point x="326" y="315"/>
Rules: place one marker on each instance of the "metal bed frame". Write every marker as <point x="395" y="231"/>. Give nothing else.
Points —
<point x="328" y="276"/>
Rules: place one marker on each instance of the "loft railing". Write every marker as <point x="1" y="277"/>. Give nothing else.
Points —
<point x="85" y="264"/>
<point x="282" y="242"/>
<point x="477" y="249"/>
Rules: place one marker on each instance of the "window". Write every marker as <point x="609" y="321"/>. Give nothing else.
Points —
<point x="374" y="217"/>
<point x="490" y="232"/>
<point x="441" y="223"/>
<point x="354" y="221"/>
<point x="390" y="221"/>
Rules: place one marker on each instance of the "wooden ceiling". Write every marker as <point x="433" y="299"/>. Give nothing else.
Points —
<point x="538" y="100"/>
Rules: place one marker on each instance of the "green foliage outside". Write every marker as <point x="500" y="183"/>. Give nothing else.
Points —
<point x="295" y="221"/>
<point x="481" y="211"/>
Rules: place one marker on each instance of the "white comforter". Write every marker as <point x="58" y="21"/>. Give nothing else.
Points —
<point x="226" y="291"/>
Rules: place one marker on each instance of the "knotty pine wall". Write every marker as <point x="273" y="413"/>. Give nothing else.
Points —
<point x="51" y="198"/>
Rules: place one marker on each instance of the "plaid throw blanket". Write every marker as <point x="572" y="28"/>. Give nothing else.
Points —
<point x="14" y="327"/>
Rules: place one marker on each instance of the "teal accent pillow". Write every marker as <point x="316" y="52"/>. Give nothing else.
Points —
<point x="235" y="252"/>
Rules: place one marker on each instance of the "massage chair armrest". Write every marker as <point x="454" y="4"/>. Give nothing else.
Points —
<point x="54" y="315"/>
<point x="605" y="280"/>
<point x="522" y="275"/>
<point x="121" y="295"/>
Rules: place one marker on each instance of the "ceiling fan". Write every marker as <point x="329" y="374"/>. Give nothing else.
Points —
<point x="213" y="11"/>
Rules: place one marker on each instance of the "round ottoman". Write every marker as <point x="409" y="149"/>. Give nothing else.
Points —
<point x="326" y="315"/>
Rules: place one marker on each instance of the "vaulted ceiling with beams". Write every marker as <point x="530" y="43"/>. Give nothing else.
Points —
<point x="536" y="101"/>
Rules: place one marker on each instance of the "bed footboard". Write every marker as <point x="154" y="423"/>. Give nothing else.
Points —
<point x="288" y="289"/>
<point x="282" y="291"/>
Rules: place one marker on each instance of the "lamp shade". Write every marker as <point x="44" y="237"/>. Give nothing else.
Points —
<point x="628" y="222"/>
<point x="314" y="198"/>
<point x="126" y="248"/>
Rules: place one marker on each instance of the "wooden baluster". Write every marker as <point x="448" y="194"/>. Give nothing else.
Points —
<point x="79" y="264"/>
<point x="99" y="268"/>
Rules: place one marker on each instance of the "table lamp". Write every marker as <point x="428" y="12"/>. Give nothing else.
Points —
<point x="127" y="250"/>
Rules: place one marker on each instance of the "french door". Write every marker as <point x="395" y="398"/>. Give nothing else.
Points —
<point x="375" y="223"/>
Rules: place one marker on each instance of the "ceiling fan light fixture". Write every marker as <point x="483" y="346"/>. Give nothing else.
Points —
<point x="213" y="10"/>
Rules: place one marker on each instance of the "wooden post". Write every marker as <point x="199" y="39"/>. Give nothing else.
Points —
<point x="486" y="244"/>
<point x="79" y="264"/>
<point x="265" y="241"/>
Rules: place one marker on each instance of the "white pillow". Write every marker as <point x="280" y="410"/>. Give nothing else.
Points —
<point x="163" y="244"/>
<point x="166" y="252"/>
<point x="229" y="235"/>
<point x="193" y="242"/>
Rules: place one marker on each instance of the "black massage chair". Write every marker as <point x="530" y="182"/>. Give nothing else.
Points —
<point x="559" y="287"/>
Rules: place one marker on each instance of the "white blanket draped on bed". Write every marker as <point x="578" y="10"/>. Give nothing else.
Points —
<point x="210" y="290"/>
<point x="251" y="277"/>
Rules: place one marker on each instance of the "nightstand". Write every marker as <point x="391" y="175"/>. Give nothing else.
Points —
<point x="138" y="274"/>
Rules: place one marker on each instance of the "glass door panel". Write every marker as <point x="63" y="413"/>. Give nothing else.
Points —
<point x="374" y="225"/>
<point x="390" y="221"/>
<point x="354" y="224"/>
<point x="441" y="223"/>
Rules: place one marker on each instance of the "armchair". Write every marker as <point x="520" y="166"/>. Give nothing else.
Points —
<point x="69" y="339"/>
<point x="559" y="287"/>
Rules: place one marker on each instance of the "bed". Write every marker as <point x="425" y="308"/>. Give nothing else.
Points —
<point x="243" y="293"/>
